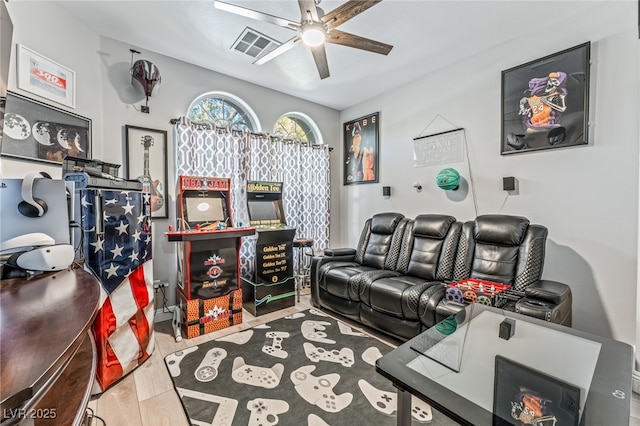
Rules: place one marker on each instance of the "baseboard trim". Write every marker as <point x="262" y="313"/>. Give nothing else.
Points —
<point x="163" y="314"/>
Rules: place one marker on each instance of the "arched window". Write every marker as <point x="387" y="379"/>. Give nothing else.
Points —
<point x="223" y="110"/>
<point x="299" y="127"/>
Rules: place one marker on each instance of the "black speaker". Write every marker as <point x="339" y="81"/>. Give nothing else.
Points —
<point x="509" y="183"/>
<point x="386" y="191"/>
<point x="507" y="329"/>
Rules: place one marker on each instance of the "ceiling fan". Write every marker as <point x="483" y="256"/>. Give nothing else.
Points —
<point x="314" y="29"/>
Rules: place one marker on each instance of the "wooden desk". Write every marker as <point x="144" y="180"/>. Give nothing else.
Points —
<point x="46" y="347"/>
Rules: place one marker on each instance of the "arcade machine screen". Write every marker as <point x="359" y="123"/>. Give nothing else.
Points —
<point x="264" y="210"/>
<point x="204" y="209"/>
<point x="213" y="266"/>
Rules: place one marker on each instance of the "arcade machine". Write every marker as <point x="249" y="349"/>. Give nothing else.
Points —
<point x="209" y="291"/>
<point x="115" y="234"/>
<point x="273" y="286"/>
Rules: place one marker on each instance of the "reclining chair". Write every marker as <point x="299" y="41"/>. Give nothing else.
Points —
<point x="509" y="250"/>
<point x="337" y="275"/>
<point x="389" y="302"/>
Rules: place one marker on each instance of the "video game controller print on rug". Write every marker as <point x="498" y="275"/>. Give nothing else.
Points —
<point x="314" y="331"/>
<point x="371" y="355"/>
<point x="226" y="407"/>
<point x="318" y="313"/>
<point x="319" y="390"/>
<point x="173" y="360"/>
<point x="318" y="381"/>
<point x="314" y="420"/>
<point x="208" y="368"/>
<point x="264" y="412"/>
<point x="240" y="338"/>
<point x="387" y="402"/>
<point x="343" y="356"/>
<point x="345" y="329"/>
<point x="274" y="347"/>
<point x="254" y="375"/>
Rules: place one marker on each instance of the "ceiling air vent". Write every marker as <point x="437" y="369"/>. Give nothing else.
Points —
<point x="253" y="43"/>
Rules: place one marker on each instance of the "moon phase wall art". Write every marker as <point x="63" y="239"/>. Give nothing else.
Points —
<point x="40" y="132"/>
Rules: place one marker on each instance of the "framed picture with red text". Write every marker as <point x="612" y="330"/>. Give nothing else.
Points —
<point x="44" y="77"/>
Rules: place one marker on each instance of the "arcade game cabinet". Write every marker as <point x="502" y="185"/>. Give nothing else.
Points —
<point x="273" y="287"/>
<point x="209" y="291"/>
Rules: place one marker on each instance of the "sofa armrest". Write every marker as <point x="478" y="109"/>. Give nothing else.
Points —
<point x="316" y="263"/>
<point x="332" y="252"/>
<point x="547" y="300"/>
<point x="550" y="291"/>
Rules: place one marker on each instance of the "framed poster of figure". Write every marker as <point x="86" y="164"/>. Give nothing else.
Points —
<point x="147" y="161"/>
<point x="523" y="395"/>
<point x="361" y="149"/>
<point x="545" y="103"/>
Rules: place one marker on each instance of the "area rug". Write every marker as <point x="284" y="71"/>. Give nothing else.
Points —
<point x="303" y="369"/>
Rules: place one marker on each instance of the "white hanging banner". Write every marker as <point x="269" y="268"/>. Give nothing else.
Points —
<point x="439" y="148"/>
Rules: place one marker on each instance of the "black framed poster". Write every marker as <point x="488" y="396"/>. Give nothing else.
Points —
<point x="146" y="161"/>
<point x="361" y="151"/>
<point x="40" y="132"/>
<point x="545" y="103"/>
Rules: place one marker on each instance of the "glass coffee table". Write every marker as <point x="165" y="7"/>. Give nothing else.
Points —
<point x="548" y="372"/>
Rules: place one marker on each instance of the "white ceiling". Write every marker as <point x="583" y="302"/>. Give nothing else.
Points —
<point x="426" y="35"/>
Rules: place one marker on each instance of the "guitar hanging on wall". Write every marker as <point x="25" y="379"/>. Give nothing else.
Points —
<point x="153" y="187"/>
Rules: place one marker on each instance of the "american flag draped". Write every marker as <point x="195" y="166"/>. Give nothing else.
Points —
<point x="117" y="248"/>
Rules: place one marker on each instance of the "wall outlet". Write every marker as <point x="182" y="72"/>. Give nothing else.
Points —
<point x="158" y="284"/>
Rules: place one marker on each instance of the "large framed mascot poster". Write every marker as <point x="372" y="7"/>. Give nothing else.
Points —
<point x="545" y="103"/>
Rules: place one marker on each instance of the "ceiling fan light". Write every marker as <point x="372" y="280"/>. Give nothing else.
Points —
<point x="313" y="35"/>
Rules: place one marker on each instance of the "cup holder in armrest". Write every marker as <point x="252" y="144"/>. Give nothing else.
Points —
<point x="537" y="308"/>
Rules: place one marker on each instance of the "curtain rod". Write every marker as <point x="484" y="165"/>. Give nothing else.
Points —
<point x="175" y="121"/>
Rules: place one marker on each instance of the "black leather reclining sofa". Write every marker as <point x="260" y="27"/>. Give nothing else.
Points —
<point x="395" y="279"/>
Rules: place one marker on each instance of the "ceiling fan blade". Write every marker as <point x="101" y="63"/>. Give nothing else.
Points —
<point x="278" y="50"/>
<point x="320" y="56"/>
<point x="348" y="10"/>
<point x="352" y="40"/>
<point x="308" y="10"/>
<point x="254" y="14"/>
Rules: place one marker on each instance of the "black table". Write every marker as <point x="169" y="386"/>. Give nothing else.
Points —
<point x="466" y="395"/>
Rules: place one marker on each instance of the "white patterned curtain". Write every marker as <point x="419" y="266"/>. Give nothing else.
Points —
<point x="204" y="150"/>
<point x="304" y="171"/>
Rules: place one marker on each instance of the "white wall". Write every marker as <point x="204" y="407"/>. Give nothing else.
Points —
<point x="587" y="196"/>
<point x="105" y="94"/>
<point x="37" y="26"/>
